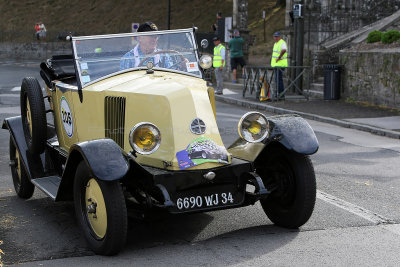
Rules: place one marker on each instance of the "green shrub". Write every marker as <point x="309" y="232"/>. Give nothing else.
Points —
<point x="390" y="36"/>
<point x="374" y="36"/>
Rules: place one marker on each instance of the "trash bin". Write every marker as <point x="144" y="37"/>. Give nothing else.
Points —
<point x="332" y="81"/>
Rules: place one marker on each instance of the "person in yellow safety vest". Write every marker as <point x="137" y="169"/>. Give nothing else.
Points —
<point x="279" y="61"/>
<point x="219" y="64"/>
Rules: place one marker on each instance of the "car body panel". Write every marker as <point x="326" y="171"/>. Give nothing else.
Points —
<point x="168" y="100"/>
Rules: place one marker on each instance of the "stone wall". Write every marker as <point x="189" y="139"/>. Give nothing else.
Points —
<point x="372" y="76"/>
<point x="33" y="51"/>
<point x="325" y="20"/>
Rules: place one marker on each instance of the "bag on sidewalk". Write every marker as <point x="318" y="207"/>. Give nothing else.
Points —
<point x="264" y="94"/>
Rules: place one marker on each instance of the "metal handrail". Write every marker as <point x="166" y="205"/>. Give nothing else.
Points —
<point x="261" y="78"/>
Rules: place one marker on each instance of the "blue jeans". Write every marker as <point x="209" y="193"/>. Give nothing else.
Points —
<point x="279" y="79"/>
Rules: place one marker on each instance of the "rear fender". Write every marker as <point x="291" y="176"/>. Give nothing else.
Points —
<point x="103" y="157"/>
<point x="292" y="131"/>
<point x="33" y="164"/>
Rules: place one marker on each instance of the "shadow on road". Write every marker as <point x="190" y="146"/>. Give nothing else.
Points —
<point x="39" y="229"/>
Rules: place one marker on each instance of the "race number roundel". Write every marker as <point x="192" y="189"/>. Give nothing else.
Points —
<point x="66" y="117"/>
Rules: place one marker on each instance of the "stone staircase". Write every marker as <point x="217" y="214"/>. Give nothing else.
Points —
<point x="330" y="49"/>
<point x="361" y="34"/>
<point x="317" y="88"/>
<point x="234" y="86"/>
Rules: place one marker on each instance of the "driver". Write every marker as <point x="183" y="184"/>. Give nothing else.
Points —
<point x="147" y="45"/>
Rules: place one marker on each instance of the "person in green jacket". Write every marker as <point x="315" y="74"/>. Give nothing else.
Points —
<point x="236" y="47"/>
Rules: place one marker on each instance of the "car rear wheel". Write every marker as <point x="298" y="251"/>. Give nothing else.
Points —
<point x="101" y="212"/>
<point x="33" y="115"/>
<point x="23" y="187"/>
<point x="291" y="178"/>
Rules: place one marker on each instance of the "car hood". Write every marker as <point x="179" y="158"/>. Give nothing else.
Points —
<point x="172" y="102"/>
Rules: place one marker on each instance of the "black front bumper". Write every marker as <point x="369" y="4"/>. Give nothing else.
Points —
<point x="184" y="191"/>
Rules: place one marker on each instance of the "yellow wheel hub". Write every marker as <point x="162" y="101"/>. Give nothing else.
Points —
<point x="96" y="208"/>
<point x="18" y="163"/>
<point x="28" y="115"/>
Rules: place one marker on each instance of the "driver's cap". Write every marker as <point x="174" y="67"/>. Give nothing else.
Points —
<point x="147" y="26"/>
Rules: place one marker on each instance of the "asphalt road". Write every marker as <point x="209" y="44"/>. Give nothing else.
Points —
<point x="355" y="222"/>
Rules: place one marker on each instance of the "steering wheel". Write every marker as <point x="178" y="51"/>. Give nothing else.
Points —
<point x="180" y="64"/>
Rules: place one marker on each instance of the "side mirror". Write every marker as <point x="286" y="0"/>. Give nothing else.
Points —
<point x="204" y="43"/>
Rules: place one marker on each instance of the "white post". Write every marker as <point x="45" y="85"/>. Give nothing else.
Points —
<point x="235" y="14"/>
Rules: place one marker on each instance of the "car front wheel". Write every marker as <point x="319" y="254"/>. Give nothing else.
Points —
<point x="291" y="178"/>
<point x="101" y="212"/>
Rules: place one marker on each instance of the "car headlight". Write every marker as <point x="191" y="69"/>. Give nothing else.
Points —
<point x="253" y="127"/>
<point x="145" y="138"/>
<point x="205" y="62"/>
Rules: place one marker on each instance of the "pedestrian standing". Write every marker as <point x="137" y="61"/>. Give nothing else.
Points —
<point x="37" y="31"/>
<point x="219" y="63"/>
<point x="236" y="48"/>
<point x="214" y="27"/>
<point x="42" y="30"/>
<point x="279" y="62"/>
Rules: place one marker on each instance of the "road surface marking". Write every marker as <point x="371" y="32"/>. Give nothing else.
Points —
<point x="357" y="210"/>
<point x="18" y="88"/>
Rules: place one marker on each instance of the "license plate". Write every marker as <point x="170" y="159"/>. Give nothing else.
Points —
<point x="226" y="196"/>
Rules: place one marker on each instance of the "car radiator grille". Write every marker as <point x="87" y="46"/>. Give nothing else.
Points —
<point x="114" y="108"/>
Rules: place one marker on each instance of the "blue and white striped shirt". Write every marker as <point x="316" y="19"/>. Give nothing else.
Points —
<point x="133" y="58"/>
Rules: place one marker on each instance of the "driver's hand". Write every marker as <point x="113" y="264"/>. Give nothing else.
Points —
<point x="183" y="64"/>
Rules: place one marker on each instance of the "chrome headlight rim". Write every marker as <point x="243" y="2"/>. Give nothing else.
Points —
<point x="138" y="149"/>
<point x="246" y="116"/>
<point x="205" y="62"/>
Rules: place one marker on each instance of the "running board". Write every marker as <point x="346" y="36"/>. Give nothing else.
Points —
<point x="49" y="185"/>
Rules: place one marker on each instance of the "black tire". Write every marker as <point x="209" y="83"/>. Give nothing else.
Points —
<point x="23" y="187"/>
<point x="291" y="177"/>
<point x="33" y="115"/>
<point x="111" y="240"/>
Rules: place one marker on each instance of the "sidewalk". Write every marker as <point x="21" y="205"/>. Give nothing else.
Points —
<point x="379" y="121"/>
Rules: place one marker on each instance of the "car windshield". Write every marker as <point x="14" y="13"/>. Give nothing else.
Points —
<point x="99" y="57"/>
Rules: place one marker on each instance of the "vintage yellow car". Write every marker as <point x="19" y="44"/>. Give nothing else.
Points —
<point x="132" y="122"/>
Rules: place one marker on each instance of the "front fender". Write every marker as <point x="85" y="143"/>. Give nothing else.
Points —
<point x="294" y="133"/>
<point x="291" y="131"/>
<point x="103" y="157"/>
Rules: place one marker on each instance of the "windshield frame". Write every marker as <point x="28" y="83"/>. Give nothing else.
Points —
<point x="76" y="58"/>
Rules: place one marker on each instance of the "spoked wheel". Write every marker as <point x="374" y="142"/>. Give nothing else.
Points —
<point x="291" y="177"/>
<point x="23" y="187"/>
<point x="101" y="212"/>
<point x="33" y="115"/>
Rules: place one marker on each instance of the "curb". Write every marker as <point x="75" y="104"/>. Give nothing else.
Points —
<point x="345" y="124"/>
